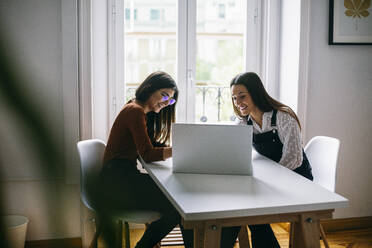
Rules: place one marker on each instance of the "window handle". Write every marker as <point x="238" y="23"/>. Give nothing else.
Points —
<point x="190" y="78"/>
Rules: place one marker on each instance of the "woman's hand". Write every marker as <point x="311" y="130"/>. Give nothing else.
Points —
<point x="167" y="153"/>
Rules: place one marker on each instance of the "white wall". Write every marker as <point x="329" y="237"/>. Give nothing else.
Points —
<point x="339" y="105"/>
<point x="34" y="30"/>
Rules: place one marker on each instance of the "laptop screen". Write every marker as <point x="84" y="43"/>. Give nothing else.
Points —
<point x="212" y="149"/>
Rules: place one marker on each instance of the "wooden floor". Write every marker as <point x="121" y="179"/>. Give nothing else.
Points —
<point x="360" y="238"/>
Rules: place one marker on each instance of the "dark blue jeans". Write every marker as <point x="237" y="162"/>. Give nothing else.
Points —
<point x="263" y="236"/>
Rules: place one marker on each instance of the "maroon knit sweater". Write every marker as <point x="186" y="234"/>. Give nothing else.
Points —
<point x="128" y="137"/>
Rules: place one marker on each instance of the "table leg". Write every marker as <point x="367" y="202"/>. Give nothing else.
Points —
<point x="208" y="236"/>
<point x="306" y="232"/>
<point x="198" y="237"/>
<point x="212" y="238"/>
<point x="244" y="237"/>
<point x="291" y="230"/>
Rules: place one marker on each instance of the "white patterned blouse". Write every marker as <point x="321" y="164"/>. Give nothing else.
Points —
<point x="289" y="134"/>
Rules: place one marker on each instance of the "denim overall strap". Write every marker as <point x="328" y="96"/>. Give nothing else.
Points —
<point x="269" y="145"/>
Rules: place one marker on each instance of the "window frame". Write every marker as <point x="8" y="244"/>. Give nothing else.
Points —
<point x="187" y="50"/>
<point x="116" y="58"/>
<point x="261" y="52"/>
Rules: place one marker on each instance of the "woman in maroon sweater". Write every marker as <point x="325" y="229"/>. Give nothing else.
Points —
<point x="143" y="127"/>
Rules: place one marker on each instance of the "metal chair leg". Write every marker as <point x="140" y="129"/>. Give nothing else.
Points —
<point x="119" y="234"/>
<point x="94" y="242"/>
<point x="126" y="235"/>
<point x="322" y="234"/>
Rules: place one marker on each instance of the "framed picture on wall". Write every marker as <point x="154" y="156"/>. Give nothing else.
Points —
<point x="350" y="22"/>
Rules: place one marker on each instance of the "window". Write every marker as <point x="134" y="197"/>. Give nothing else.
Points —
<point x="202" y="49"/>
<point x="214" y="45"/>
<point x="150" y="46"/>
<point x="219" y="57"/>
<point x="189" y="41"/>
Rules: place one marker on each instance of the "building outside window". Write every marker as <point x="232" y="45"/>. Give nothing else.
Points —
<point x="221" y="11"/>
<point x="151" y="45"/>
<point x="154" y="14"/>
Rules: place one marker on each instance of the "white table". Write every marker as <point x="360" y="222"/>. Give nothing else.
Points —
<point x="273" y="194"/>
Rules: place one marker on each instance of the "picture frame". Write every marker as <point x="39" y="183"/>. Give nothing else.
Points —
<point x="350" y="22"/>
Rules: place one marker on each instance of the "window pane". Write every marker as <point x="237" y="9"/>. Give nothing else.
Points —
<point x="220" y="38"/>
<point x="150" y="40"/>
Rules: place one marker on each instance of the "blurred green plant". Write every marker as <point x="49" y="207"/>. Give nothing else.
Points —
<point x="22" y="105"/>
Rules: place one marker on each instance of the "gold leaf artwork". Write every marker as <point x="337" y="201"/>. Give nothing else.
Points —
<point x="357" y="8"/>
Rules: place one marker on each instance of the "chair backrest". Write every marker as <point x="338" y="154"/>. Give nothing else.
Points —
<point x="91" y="155"/>
<point x="322" y="152"/>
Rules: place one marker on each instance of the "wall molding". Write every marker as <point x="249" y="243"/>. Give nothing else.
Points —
<point x="335" y="225"/>
<point x="344" y="224"/>
<point x="54" y="243"/>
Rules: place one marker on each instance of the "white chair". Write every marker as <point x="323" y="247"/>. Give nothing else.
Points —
<point x="322" y="153"/>
<point x="91" y="155"/>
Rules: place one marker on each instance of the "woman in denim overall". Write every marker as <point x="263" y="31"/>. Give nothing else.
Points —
<point x="276" y="135"/>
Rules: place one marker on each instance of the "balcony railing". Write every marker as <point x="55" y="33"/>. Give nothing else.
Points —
<point x="212" y="103"/>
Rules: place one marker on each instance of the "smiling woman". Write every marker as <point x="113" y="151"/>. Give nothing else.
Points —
<point x="160" y="99"/>
<point x="142" y="128"/>
<point x="159" y="115"/>
<point x="276" y="135"/>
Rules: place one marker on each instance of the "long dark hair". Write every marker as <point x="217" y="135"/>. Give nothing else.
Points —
<point x="158" y="124"/>
<point x="263" y="101"/>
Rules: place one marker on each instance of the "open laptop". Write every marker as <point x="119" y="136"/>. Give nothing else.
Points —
<point x="212" y="149"/>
